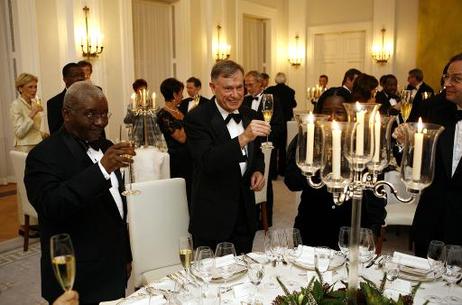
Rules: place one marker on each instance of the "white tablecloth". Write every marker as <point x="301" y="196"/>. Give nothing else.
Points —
<point x="269" y="288"/>
<point x="150" y="164"/>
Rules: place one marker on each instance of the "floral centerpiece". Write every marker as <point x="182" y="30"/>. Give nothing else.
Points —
<point x="320" y="293"/>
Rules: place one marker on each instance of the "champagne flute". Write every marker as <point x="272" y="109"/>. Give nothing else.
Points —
<point x="344" y="241"/>
<point x="256" y="273"/>
<point x="131" y="141"/>
<point x="435" y="258"/>
<point x="225" y="268"/>
<point x="185" y="251"/>
<point x="63" y="260"/>
<point x="267" y="110"/>
<point x="406" y="104"/>
<point x="453" y="271"/>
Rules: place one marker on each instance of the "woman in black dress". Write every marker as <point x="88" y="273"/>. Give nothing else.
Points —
<point x="170" y="121"/>
<point x="318" y="219"/>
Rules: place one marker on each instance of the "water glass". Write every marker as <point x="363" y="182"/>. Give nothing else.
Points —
<point x="391" y="267"/>
<point x="205" y="266"/>
<point x="453" y="271"/>
<point x="255" y="273"/>
<point x="226" y="270"/>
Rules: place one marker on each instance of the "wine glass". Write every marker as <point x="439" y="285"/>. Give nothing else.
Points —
<point x="453" y="271"/>
<point x="294" y="248"/>
<point x="185" y="251"/>
<point x="131" y="141"/>
<point x="256" y="272"/>
<point x="366" y="245"/>
<point x="322" y="256"/>
<point x="63" y="260"/>
<point x="225" y="269"/>
<point x="435" y="258"/>
<point x="391" y="267"/>
<point x="344" y="241"/>
<point x="406" y="104"/>
<point x="267" y="110"/>
<point x="204" y="265"/>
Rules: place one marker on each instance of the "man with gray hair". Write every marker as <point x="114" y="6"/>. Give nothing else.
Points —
<point x="73" y="181"/>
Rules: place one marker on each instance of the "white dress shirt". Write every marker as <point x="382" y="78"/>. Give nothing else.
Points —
<point x="96" y="156"/>
<point x="256" y="101"/>
<point x="234" y="129"/>
<point x="457" y="149"/>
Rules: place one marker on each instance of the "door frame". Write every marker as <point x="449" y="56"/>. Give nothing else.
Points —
<point x="336" y="28"/>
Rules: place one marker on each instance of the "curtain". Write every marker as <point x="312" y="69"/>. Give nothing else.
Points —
<point x="253" y="44"/>
<point x="152" y="35"/>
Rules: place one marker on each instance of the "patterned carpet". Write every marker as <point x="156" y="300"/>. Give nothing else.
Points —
<point x="20" y="277"/>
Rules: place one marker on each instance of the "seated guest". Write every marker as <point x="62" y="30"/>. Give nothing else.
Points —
<point x="170" y="121"/>
<point x="388" y="96"/>
<point x="193" y="86"/>
<point x="318" y="219"/>
<point x="71" y="74"/>
<point x="418" y="86"/>
<point x="74" y="183"/>
<point x="364" y="89"/>
<point x="153" y="136"/>
<point x="26" y="114"/>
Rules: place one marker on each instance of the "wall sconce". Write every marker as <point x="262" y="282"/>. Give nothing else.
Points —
<point x="220" y="48"/>
<point x="91" y="42"/>
<point x="381" y="53"/>
<point x="296" y="53"/>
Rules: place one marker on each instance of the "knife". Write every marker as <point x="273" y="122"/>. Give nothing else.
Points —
<point x="371" y="263"/>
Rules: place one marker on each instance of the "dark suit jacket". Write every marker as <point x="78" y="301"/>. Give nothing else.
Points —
<point x="439" y="110"/>
<point x="54" y="115"/>
<point x="384" y="99"/>
<point x="286" y="97"/>
<point x="278" y="127"/>
<point x="219" y="190"/>
<point x="71" y="195"/>
<point x="183" y="107"/>
<point x="439" y="211"/>
<point x="418" y="104"/>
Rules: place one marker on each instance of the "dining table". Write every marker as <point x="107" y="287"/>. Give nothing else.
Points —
<point x="188" y="288"/>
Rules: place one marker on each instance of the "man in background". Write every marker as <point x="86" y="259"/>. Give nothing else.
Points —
<point x="323" y="80"/>
<point x="193" y="86"/>
<point x="418" y="87"/>
<point x="72" y="73"/>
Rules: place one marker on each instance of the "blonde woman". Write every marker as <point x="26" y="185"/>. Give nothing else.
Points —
<point x="26" y="114"/>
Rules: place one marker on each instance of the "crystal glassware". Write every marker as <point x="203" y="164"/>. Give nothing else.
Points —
<point x="435" y="258"/>
<point x="131" y="141"/>
<point x="226" y="270"/>
<point x="267" y="110"/>
<point x="63" y="260"/>
<point x="255" y="273"/>
<point x="453" y="271"/>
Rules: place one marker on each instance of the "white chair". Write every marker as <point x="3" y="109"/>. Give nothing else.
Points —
<point x="157" y="217"/>
<point x="292" y="130"/>
<point x="150" y="164"/>
<point x="19" y="164"/>
<point x="398" y="213"/>
<point x="260" y="196"/>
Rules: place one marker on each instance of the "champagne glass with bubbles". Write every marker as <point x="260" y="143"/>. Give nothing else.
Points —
<point x="185" y="251"/>
<point x="63" y="260"/>
<point x="267" y="110"/>
<point x="131" y="141"/>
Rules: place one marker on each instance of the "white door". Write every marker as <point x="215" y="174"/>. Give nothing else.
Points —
<point x="254" y="44"/>
<point x="335" y="53"/>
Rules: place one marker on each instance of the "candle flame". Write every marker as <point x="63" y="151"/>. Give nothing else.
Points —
<point x="420" y="125"/>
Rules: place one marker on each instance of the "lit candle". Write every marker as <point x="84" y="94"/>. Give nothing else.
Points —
<point x="377" y="126"/>
<point x="418" y="146"/>
<point x="360" y="130"/>
<point x="133" y="98"/>
<point x="336" y="150"/>
<point x="309" y="139"/>
<point x="153" y="100"/>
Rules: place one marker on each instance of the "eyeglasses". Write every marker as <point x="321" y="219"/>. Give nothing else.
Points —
<point x="93" y="116"/>
<point x="454" y="79"/>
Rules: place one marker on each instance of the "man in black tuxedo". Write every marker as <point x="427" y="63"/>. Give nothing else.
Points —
<point x="388" y="97"/>
<point x="228" y="163"/>
<point x="193" y="86"/>
<point x="73" y="181"/>
<point x="286" y="97"/>
<point x="346" y="88"/>
<point x="418" y="86"/>
<point x="72" y="73"/>
<point x="439" y="212"/>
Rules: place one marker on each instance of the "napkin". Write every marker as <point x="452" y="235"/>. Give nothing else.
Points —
<point x="144" y="300"/>
<point x="224" y="261"/>
<point x="259" y="257"/>
<point x="411" y="261"/>
<point x="164" y="285"/>
<point x="242" y="290"/>
<point x="307" y="256"/>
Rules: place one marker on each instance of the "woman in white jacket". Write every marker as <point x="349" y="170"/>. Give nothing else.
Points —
<point x="26" y="114"/>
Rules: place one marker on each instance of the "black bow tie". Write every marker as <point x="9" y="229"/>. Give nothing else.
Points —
<point x="458" y="115"/>
<point x="235" y="116"/>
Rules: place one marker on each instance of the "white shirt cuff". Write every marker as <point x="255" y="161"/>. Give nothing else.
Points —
<point x="103" y="170"/>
